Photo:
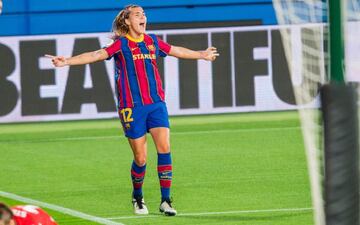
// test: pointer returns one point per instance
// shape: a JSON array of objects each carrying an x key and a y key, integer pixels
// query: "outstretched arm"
[
  {"x": 85, "y": 58},
  {"x": 209, "y": 54}
]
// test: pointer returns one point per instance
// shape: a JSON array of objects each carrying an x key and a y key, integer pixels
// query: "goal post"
[
  {"x": 339, "y": 112},
  {"x": 336, "y": 43},
  {"x": 341, "y": 138}
]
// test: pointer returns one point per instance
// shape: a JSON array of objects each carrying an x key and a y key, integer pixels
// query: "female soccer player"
[{"x": 140, "y": 95}]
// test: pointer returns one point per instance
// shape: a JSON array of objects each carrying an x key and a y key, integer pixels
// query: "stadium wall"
[{"x": 251, "y": 75}]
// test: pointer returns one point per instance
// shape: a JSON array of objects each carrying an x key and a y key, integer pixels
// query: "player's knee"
[
  {"x": 163, "y": 148},
  {"x": 140, "y": 160}
]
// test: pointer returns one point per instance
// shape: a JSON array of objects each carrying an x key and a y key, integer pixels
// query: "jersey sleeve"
[
  {"x": 113, "y": 48},
  {"x": 29, "y": 214},
  {"x": 164, "y": 48}
]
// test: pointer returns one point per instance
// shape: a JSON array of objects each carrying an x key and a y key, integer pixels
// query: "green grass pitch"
[{"x": 247, "y": 168}]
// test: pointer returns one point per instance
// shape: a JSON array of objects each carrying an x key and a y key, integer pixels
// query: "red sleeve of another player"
[
  {"x": 29, "y": 215},
  {"x": 163, "y": 46},
  {"x": 113, "y": 48}
]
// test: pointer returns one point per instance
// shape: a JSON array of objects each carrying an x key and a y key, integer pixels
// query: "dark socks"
[
  {"x": 165, "y": 174},
  {"x": 137, "y": 177}
]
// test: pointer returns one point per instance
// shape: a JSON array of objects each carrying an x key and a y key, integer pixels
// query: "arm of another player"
[
  {"x": 209, "y": 54},
  {"x": 85, "y": 58}
]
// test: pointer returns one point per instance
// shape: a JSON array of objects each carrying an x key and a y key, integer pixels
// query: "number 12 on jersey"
[{"x": 126, "y": 114}]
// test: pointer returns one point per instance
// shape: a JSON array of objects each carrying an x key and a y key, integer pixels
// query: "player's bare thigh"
[
  {"x": 139, "y": 148},
  {"x": 161, "y": 137}
]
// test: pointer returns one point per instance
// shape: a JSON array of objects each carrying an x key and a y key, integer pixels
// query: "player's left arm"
[{"x": 209, "y": 54}]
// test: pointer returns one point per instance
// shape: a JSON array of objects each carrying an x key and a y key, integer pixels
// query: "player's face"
[{"x": 137, "y": 20}]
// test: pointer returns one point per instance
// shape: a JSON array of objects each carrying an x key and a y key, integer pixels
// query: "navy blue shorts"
[{"x": 140, "y": 119}]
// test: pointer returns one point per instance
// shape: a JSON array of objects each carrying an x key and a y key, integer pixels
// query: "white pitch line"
[
  {"x": 59, "y": 209},
  {"x": 172, "y": 133},
  {"x": 218, "y": 213}
]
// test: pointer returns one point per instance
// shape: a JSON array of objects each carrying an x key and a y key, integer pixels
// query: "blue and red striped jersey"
[{"x": 137, "y": 77}]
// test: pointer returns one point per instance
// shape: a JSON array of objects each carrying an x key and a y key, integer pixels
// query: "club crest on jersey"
[
  {"x": 151, "y": 47},
  {"x": 127, "y": 126}
]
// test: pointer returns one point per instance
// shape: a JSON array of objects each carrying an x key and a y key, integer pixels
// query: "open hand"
[
  {"x": 210, "y": 54},
  {"x": 58, "y": 61}
]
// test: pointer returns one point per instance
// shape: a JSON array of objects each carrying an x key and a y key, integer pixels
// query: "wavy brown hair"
[{"x": 119, "y": 27}]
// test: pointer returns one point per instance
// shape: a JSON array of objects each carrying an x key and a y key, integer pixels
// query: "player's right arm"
[{"x": 85, "y": 58}]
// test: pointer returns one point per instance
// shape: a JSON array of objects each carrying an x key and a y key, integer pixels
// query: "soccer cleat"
[
  {"x": 167, "y": 209},
  {"x": 139, "y": 206}
]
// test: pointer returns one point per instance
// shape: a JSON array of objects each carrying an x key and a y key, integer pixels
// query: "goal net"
[{"x": 305, "y": 38}]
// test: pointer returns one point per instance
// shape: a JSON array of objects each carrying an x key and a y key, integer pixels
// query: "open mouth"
[{"x": 142, "y": 25}]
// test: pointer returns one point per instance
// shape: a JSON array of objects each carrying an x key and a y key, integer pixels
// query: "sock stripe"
[
  {"x": 137, "y": 175},
  {"x": 163, "y": 168},
  {"x": 165, "y": 183},
  {"x": 137, "y": 185}
]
